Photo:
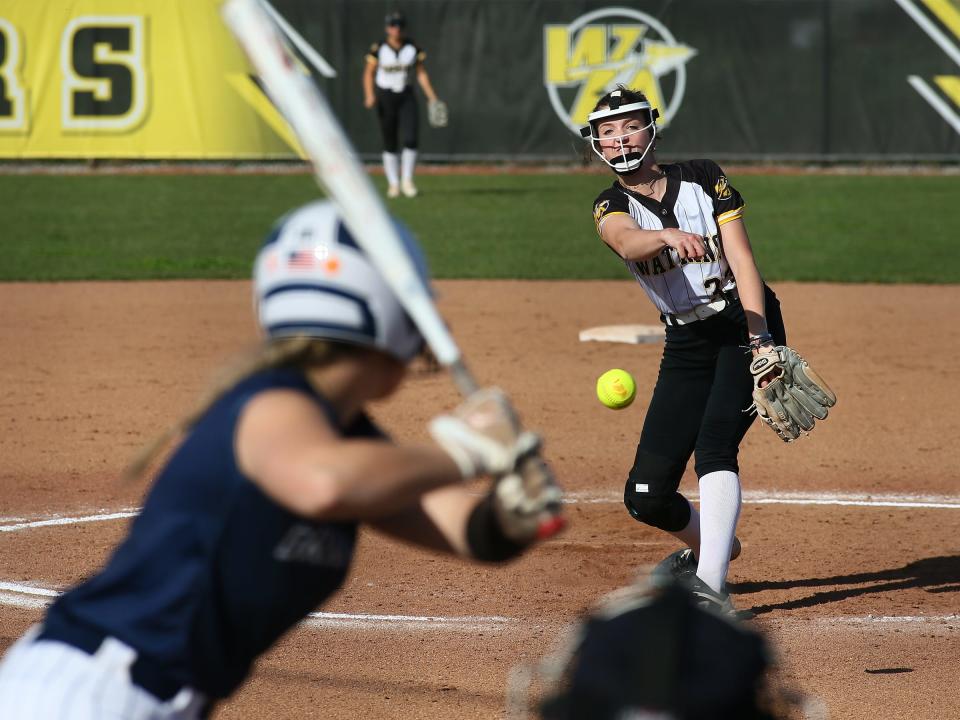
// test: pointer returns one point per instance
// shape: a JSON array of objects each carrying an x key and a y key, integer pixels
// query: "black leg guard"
[
  {"x": 651, "y": 493},
  {"x": 667, "y": 512}
]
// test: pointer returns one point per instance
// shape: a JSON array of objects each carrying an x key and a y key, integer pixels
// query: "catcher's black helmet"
[{"x": 655, "y": 654}]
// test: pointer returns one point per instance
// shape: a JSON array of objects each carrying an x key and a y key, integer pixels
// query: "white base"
[{"x": 633, "y": 334}]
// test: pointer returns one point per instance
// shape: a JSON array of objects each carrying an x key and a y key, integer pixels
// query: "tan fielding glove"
[
  {"x": 437, "y": 114},
  {"x": 795, "y": 399}
]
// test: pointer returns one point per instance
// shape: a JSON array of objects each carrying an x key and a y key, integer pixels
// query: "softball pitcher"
[
  {"x": 253, "y": 521},
  {"x": 679, "y": 228}
]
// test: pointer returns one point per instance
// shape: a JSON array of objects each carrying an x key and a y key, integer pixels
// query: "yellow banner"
[{"x": 152, "y": 79}]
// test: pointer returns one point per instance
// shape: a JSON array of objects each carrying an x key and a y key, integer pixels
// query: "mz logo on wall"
[{"x": 582, "y": 61}]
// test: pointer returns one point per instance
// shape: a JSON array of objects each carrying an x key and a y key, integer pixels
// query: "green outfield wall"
[{"x": 827, "y": 80}]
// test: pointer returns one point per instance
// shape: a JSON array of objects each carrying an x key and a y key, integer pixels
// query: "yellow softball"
[{"x": 616, "y": 389}]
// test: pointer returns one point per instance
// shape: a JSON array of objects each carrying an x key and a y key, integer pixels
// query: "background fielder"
[{"x": 388, "y": 86}]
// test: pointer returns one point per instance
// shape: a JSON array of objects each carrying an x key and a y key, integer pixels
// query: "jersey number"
[{"x": 713, "y": 286}]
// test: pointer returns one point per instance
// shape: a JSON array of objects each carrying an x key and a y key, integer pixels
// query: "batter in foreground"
[{"x": 253, "y": 521}]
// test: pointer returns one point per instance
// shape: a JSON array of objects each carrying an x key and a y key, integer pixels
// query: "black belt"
[{"x": 144, "y": 672}]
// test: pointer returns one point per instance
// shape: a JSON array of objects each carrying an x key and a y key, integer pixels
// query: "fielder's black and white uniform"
[
  {"x": 704, "y": 384},
  {"x": 396, "y": 101}
]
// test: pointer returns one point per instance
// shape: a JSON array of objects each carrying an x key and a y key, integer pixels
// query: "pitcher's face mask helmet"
[
  {"x": 626, "y": 160},
  {"x": 311, "y": 278}
]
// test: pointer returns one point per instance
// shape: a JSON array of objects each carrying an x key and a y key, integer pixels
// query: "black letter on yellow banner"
[
  {"x": 105, "y": 79},
  {"x": 86, "y": 103}
]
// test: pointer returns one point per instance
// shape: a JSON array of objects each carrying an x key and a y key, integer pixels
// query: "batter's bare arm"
[
  {"x": 438, "y": 522},
  {"x": 454, "y": 520},
  {"x": 631, "y": 242},
  {"x": 739, "y": 254},
  {"x": 287, "y": 448}
]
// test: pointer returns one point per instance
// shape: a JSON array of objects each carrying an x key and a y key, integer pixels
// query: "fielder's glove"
[
  {"x": 437, "y": 113},
  {"x": 795, "y": 399}
]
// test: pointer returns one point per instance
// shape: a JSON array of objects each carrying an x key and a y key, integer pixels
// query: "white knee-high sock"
[
  {"x": 391, "y": 167},
  {"x": 719, "y": 512},
  {"x": 409, "y": 160}
]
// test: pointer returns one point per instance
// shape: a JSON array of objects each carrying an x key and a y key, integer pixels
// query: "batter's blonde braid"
[{"x": 297, "y": 351}]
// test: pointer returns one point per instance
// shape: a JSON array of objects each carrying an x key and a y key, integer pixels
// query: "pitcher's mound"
[{"x": 634, "y": 334}]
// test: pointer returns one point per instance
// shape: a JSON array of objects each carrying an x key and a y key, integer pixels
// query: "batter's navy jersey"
[
  {"x": 213, "y": 571},
  {"x": 394, "y": 67},
  {"x": 698, "y": 199}
]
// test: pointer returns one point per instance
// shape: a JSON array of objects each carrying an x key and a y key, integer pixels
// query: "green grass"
[
  {"x": 117, "y": 227},
  {"x": 834, "y": 228}
]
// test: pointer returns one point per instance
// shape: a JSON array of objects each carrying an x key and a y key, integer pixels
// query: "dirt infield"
[{"x": 851, "y": 553}]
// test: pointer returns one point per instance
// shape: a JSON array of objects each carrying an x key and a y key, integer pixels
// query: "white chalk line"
[
  {"x": 28, "y": 589},
  {"x": 589, "y": 497},
  {"x": 25, "y": 596},
  {"x": 33, "y": 597},
  {"x": 70, "y": 520},
  {"x": 888, "y": 619},
  {"x": 361, "y": 621},
  {"x": 767, "y": 497}
]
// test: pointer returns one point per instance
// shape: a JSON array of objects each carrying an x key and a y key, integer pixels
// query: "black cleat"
[
  {"x": 681, "y": 565},
  {"x": 707, "y": 598}
]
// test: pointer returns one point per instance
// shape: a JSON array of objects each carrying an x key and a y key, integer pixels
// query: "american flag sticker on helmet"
[{"x": 307, "y": 257}]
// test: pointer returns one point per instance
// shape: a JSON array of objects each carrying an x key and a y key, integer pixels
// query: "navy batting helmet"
[{"x": 311, "y": 278}]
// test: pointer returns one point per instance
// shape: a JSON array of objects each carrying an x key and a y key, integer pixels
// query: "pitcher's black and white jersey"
[
  {"x": 395, "y": 67},
  {"x": 698, "y": 199}
]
